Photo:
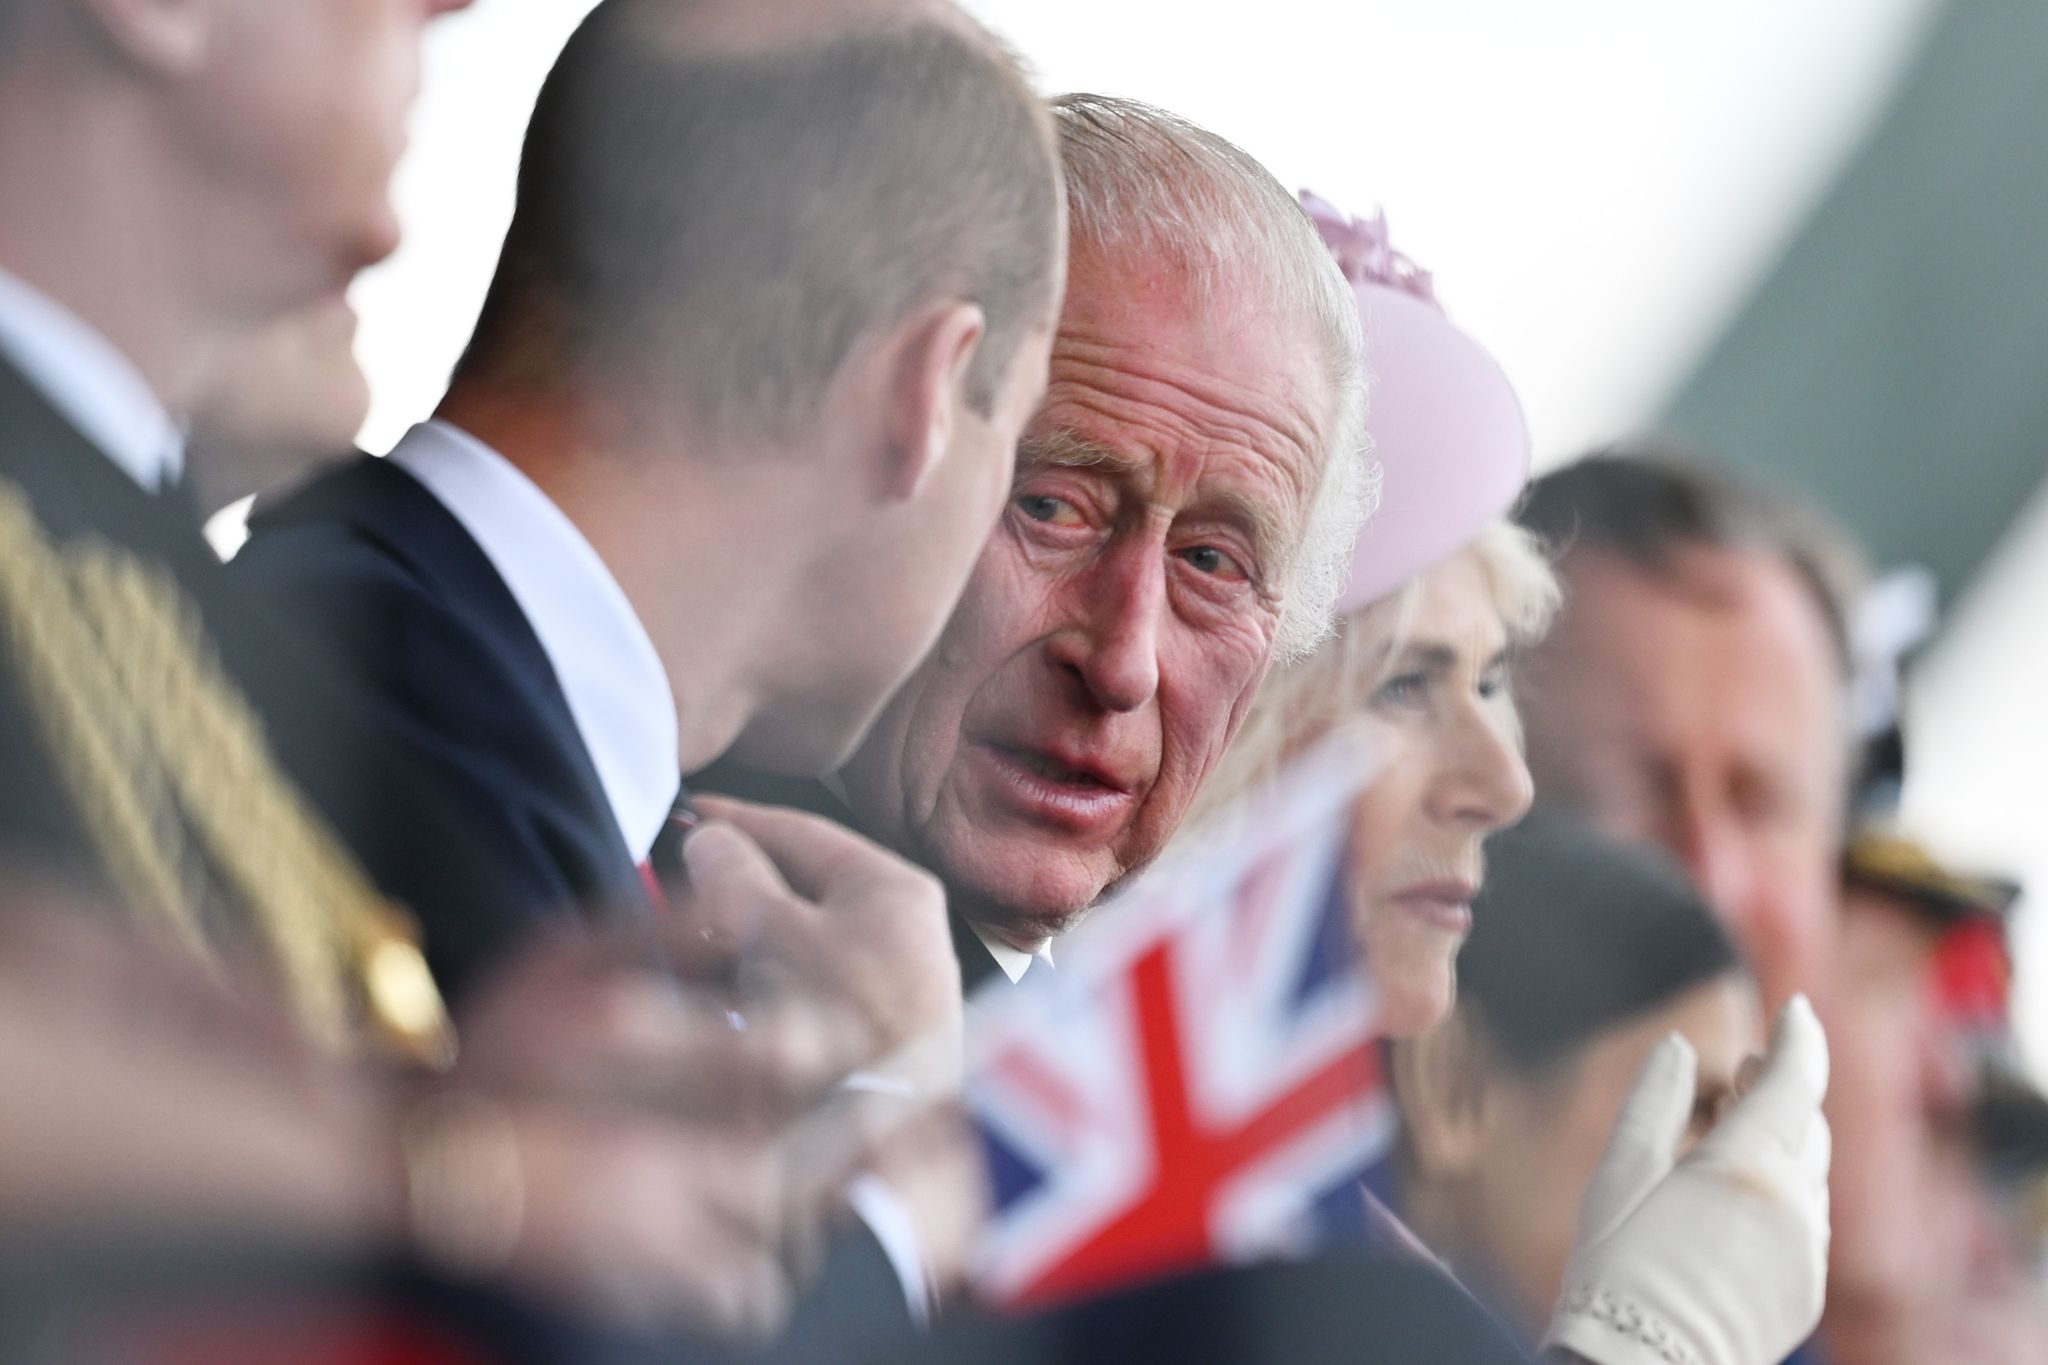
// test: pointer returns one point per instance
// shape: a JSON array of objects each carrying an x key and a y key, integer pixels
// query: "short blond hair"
[
  {"x": 1303, "y": 700},
  {"x": 710, "y": 230}
]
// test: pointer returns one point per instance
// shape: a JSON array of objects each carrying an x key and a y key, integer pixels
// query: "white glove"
[{"x": 1722, "y": 1259}]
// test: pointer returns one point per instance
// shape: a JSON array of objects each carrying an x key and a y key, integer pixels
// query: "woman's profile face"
[{"x": 1451, "y": 774}]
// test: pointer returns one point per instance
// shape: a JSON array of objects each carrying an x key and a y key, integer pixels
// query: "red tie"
[{"x": 664, "y": 868}]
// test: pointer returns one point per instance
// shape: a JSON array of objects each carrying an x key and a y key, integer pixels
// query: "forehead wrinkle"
[
  {"x": 1160, "y": 432},
  {"x": 1220, "y": 407}
]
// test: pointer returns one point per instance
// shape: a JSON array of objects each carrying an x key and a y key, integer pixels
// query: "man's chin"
[
  {"x": 1023, "y": 928},
  {"x": 1025, "y": 903}
]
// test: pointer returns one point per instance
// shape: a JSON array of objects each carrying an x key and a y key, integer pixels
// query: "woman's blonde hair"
[{"x": 1303, "y": 700}]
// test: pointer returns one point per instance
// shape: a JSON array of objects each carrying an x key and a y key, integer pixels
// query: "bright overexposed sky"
[{"x": 1595, "y": 183}]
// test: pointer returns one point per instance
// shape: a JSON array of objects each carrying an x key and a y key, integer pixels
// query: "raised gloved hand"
[{"x": 1720, "y": 1258}]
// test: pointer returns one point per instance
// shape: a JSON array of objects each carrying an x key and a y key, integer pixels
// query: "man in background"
[{"x": 1694, "y": 695}]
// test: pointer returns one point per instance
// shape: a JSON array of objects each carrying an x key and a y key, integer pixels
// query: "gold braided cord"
[
  {"x": 91, "y": 735},
  {"x": 335, "y": 942}
]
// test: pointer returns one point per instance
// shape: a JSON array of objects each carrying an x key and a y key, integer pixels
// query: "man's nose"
[
  {"x": 1111, "y": 644},
  {"x": 1711, "y": 846}
]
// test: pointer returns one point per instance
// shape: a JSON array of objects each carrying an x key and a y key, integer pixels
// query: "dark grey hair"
[{"x": 1645, "y": 506}]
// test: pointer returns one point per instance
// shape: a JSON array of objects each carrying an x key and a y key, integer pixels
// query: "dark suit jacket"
[
  {"x": 395, "y": 814},
  {"x": 369, "y": 565}
]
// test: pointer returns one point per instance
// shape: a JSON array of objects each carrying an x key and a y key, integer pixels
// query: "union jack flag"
[{"x": 1199, "y": 1080}]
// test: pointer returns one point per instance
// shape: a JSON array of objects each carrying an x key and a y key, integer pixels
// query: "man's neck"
[
  {"x": 92, "y": 225},
  {"x": 646, "y": 513}
]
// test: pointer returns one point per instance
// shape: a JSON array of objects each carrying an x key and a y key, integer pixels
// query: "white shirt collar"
[
  {"x": 1014, "y": 961},
  {"x": 617, "y": 689},
  {"x": 89, "y": 381}
]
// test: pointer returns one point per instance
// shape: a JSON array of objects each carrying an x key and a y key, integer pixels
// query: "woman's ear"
[
  {"x": 1440, "y": 1082},
  {"x": 167, "y": 38},
  {"x": 935, "y": 348}
]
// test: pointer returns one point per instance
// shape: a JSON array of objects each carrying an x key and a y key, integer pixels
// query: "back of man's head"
[
  {"x": 714, "y": 208},
  {"x": 1145, "y": 183},
  {"x": 1647, "y": 507}
]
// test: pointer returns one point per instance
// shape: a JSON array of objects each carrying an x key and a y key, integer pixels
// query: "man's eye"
[
  {"x": 1046, "y": 508},
  {"x": 1208, "y": 559},
  {"x": 1494, "y": 682}
]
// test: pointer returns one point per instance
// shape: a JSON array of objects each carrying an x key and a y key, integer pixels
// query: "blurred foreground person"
[
  {"x": 1584, "y": 956},
  {"x": 1720, "y": 1256},
  {"x": 281, "y": 402},
  {"x": 183, "y": 176}
]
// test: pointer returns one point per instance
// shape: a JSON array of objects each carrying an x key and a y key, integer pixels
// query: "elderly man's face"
[{"x": 1122, "y": 614}]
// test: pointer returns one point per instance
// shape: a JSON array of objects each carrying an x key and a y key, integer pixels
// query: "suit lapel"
[{"x": 386, "y": 506}]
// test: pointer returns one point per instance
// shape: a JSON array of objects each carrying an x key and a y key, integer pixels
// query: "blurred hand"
[
  {"x": 934, "y": 1166},
  {"x": 141, "y": 1087},
  {"x": 658, "y": 1106},
  {"x": 873, "y": 924},
  {"x": 635, "y": 1017},
  {"x": 636, "y": 1219},
  {"x": 1722, "y": 1258}
]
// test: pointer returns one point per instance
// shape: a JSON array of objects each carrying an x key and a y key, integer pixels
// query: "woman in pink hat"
[
  {"x": 1717, "y": 1257},
  {"x": 1442, "y": 592}
]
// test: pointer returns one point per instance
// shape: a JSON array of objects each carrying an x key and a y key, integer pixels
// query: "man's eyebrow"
[{"x": 1066, "y": 450}]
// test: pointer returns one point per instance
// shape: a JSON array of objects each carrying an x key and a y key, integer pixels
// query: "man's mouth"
[
  {"x": 1053, "y": 769},
  {"x": 1062, "y": 791}
]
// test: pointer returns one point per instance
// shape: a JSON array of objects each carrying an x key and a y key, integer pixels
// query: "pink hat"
[{"x": 1446, "y": 427}]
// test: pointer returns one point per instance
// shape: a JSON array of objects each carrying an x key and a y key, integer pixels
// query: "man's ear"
[
  {"x": 166, "y": 38},
  {"x": 1440, "y": 1081},
  {"x": 934, "y": 351}
]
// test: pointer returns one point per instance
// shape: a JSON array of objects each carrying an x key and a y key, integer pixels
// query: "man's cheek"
[{"x": 1006, "y": 600}]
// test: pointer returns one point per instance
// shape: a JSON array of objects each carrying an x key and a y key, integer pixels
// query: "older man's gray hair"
[{"x": 1138, "y": 176}]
